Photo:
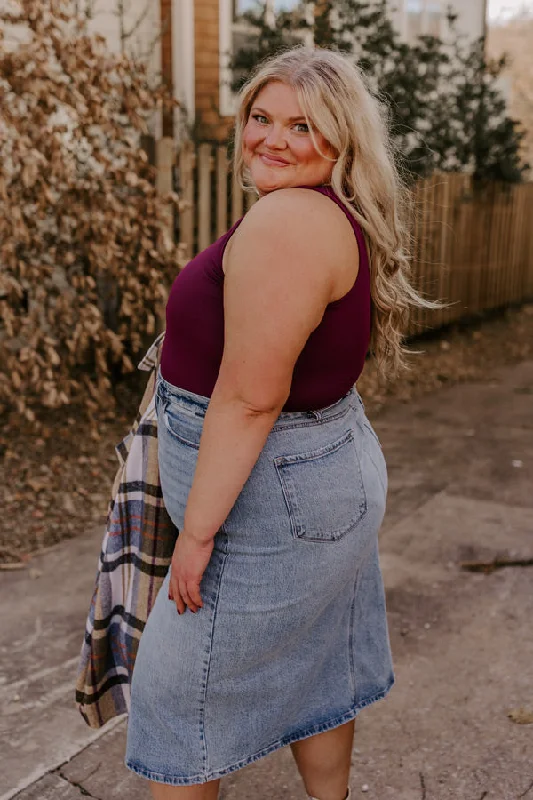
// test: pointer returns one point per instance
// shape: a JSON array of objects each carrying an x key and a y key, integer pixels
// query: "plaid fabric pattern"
[{"x": 136, "y": 553}]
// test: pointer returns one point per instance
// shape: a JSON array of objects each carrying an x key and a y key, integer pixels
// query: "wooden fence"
[
  {"x": 214, "y": 199},
  {"x": 472, "y": 249}
]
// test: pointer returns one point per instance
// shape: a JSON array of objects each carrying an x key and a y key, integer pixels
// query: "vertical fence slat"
[
  {"x": 204, "y": 196},
  {"x": 237, "y": 207},
  {"x": 518, "y": 224},
  {"x": 528, "y": 243},
  {"x": 249, "y": 199},
  {"x": 186, "y": 163},
  {"x": 526, "y": 248},
  {"x": 222, "y": 190},
  {"x": 513, "y": 226}
]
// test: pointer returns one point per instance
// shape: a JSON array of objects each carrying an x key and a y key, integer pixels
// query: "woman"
[{"x": 270, "y": 628}]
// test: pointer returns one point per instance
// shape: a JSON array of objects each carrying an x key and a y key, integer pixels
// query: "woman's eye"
[{"x": 301, "y": 127}]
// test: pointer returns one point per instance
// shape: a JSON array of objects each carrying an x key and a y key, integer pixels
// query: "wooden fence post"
[
  {"x": 222, "y": 190},
  {"x": 164, "y": 160},
  {"x": 237, "y": 208},
  {"x": 186, "y": 164},
  {"x": 204, "y": 196}
]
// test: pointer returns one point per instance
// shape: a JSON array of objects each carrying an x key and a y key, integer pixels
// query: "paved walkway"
[{"x": 461, "y": 488}]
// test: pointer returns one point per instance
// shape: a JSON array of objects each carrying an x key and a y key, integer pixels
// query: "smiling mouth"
[{"x": 277, "y": 162}]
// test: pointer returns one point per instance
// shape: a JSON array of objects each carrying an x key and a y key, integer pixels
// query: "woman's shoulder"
[
  {"x": 299, "y": 226},
  {"x": 293, "y": 211},
  {"x": 290, "y": 222},
  {"x": 284, "y": 220},
  {"x": 293, "y": 197}
]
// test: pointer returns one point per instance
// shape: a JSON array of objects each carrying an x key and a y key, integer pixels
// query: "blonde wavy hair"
[{"x": 337, "y": 101}]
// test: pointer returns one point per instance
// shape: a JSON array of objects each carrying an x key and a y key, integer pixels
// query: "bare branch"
[
  {"x": 157, "y": 38},
  {"x": 139, "y": 22}
]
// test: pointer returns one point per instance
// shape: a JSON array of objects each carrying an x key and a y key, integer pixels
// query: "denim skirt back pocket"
[{"x": 323, "y": 490}]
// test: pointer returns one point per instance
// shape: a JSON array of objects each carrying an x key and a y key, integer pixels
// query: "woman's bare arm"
[{"x": 280, "y": 275}]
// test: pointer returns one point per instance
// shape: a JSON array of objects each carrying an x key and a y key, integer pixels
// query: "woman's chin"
[{"x": 266, "y": 185}]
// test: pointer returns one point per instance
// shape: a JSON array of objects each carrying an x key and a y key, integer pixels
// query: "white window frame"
[
  {"x": 227, "y": 99},
  {"x": 183, "y": 55},
  {"x": 424, "y": 11}
]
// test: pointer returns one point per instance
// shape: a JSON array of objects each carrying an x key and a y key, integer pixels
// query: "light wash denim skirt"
[{"x": 292, "y": 638}]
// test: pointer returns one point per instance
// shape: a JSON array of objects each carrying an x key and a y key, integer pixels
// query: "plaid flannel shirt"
[{"x": 136, "y": 553}]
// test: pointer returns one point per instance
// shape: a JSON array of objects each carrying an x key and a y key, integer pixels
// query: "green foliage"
[
  {"x": 446, "y": 110},
  {"x": 268, "y": 39}
]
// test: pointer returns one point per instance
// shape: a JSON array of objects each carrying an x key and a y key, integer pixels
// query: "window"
[
  {"x": 422, "y": 17},
  {"x": 414, "y": 11},
  {"x": 239, "y": 6},
  {"x": 271, "y": 6},
  {"x": 433, "y": 18}
]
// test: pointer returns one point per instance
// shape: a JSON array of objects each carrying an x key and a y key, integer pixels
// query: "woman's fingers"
[
  {"x": 175, "y": 595},
  {"x": 186, "y": 592},
  {"x": 189, "y": 562},
  {"x": 194, "y": 594},
  {"x": 180, "y": 605}
]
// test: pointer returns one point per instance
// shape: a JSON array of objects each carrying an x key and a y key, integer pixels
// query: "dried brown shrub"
[{"x": 85, "y": 253}]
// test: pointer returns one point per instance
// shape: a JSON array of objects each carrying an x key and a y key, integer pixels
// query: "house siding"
[{"x": 144, "y": 43}]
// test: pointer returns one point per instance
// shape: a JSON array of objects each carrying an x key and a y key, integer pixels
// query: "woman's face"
[{"x": 277, "y": 145}]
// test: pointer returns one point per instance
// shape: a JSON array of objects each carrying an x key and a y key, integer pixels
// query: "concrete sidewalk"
[{"x": 461, "y": 488}]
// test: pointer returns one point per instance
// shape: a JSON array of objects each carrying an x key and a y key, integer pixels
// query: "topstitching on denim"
[
  {"x": 302, "y": 472},
  {"x": 351, "y": 638},
  {"x": 174, "y": 433},
  {"x": 207, "y": 661},
  {"x": 321, "y": 727},
  {"x": 181, "y": 398}
]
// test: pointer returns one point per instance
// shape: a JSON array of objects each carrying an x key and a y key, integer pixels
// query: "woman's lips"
[{"x": 271, "y": 161}]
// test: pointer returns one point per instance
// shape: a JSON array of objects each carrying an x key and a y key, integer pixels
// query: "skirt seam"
[
  {"x": 182, "y": 780},
  {"x": 383, "y": 487},
  {"x": 204, "y": 700},
  {"x": 351, "y": 639}
]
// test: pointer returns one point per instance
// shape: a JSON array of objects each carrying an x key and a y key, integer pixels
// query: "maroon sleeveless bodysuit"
[{"x": 330, "y": 362}]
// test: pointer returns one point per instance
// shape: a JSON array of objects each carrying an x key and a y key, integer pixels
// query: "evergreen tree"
[
  {"x": 446, "y": 110},
  {"x": 267, "y": 39}
]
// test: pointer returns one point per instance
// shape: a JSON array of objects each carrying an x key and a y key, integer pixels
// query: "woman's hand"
[{"x": 189, "y": 560}]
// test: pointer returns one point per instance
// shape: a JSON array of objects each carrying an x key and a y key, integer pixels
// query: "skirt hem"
[{"x": 212, "y": 775}]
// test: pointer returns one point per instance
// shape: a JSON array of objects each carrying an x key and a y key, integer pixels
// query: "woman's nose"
[{"x": 275, "y": 137}]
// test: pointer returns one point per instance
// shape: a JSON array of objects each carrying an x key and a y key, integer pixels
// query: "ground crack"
[
  {"x": 529, "y": 788},
  {"x": 422, "y": 785},
  {"x": 77, "y": 785}
]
